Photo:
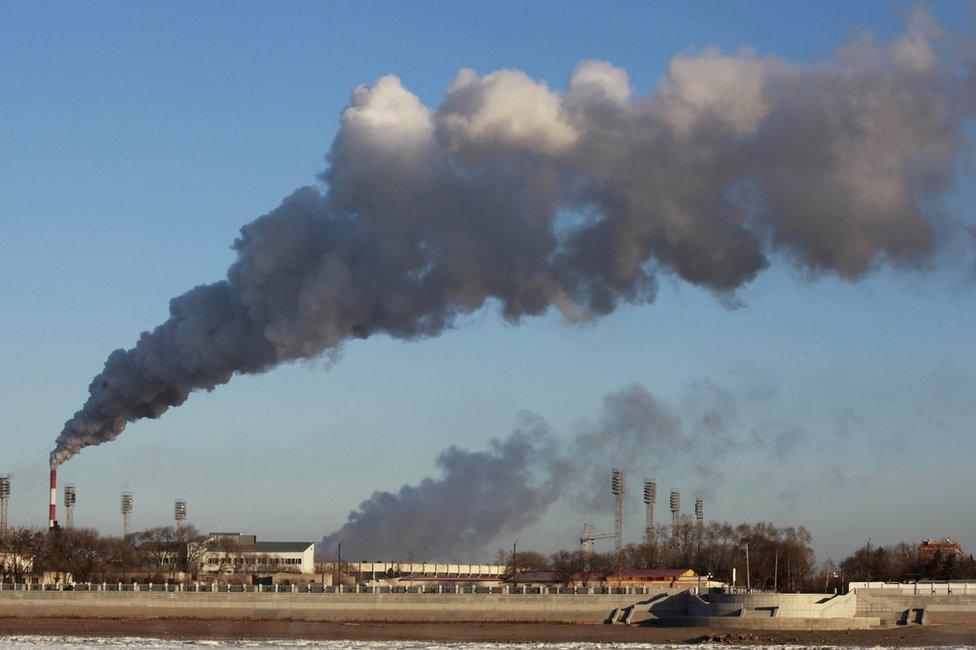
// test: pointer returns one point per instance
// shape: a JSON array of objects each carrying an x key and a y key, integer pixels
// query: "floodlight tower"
[
  {"x": 675, "y": 502},
  {"x": 126, "y": 513},
  {"x": 4, "y": 498},
  {"x": 650, "y": 499},
  {"x": 618, "y": 485},
  {"x": 70, "y": 498},
  {"x": 699, "y": 526},
  {"x": 179, "y": 514}
]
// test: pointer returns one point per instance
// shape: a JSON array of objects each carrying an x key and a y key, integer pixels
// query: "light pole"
[
  {"x": 515, "y": 562},
  {"x": 338, "y": 570}
]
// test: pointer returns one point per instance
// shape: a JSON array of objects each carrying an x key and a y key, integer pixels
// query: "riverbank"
[{"x": 197, "y": 629}]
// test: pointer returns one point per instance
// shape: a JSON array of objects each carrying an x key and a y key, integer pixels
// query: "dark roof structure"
[
  {"x": 278, "y": 547},
  {"x": 250, "y": 544}
]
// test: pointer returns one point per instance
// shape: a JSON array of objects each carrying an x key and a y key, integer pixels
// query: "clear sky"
[{"x": 136, "y": 138}]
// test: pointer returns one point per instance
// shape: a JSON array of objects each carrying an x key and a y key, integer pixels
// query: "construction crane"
[{"x": 589, "y": 536}]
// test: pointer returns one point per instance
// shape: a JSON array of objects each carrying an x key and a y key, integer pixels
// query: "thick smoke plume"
[
  {"x": 487, "y": 493},
  {"x": 481, "y": 493},
  {"x": 515, "y": 194}
]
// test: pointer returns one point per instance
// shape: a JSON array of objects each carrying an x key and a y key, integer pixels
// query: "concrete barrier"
[
  {"x": 894, "y": 607},
  {"x": 773, "y": 623},
  {"x": 570, "y": 608},
  {"x": 667, "y": 607}
]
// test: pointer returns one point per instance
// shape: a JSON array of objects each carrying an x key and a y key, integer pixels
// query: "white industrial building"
[
  {"x": 239, "y": 553},
  {"x": 409, "y": 573}
]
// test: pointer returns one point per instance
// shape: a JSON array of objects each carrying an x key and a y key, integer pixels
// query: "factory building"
[
  {"x": 656, "y": 578},
  {"x": 239, "y": 553},
  {"x": 423, "y": 573}
]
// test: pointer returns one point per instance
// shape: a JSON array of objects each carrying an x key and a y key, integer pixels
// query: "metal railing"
[{"x": 219, "y": 587}]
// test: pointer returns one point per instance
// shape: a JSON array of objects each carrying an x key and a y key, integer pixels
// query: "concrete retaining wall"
[
  {"x": 803, "y": 606},
  {"x": 892, "y": 606},
  {"x": 671, "y": 607},
  {"x": 317, "y": 607},
  {"x": 758, "y": 623}
]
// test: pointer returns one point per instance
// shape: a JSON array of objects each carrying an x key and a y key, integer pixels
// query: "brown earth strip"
[{"x": 474, "y": 632}]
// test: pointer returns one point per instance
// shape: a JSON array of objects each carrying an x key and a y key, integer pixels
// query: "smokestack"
[{"x": 52, "y": 515}]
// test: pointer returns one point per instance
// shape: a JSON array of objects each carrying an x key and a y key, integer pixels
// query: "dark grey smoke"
[
  {"x": 513, "y": 194},
  {"x": 480, "y": 495}
]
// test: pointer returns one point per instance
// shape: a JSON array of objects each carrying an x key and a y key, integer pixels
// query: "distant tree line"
[
  {"x": 903, "y": 562},
  {"x": 86, "y": 556},
  {"x": 779, "y": 557}
]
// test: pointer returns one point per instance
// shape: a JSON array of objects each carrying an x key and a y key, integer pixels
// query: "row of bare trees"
[
  {"x": 778, "y": 557},
  {"x": 86, "y": 556},
  {"x": 903, "y": 562}
]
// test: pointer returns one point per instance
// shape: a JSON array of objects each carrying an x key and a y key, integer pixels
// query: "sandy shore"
[{"x": 473, "y": 632}]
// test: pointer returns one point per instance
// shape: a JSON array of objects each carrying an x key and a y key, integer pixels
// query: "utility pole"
[
  {"x": 869, "y": 559},
  {"x": 515, "y": 562},
  {"x": 776, "y": 570},
  {"x": 338, "y": 571},
  {"x": 748, "y": 571}
]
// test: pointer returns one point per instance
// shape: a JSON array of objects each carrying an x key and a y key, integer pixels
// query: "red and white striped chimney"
[{"x": 52, "y": 516}]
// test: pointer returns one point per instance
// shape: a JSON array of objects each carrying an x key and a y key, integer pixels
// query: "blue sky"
[{"x": 135, "y": 139}]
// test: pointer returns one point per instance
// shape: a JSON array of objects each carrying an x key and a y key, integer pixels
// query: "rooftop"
[{"x": 250, "y": 544}]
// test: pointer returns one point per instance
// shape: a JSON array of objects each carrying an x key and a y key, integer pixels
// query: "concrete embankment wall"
[
  {"x": 766, "y": 611},
  {"x": 938, "y": 609},
  {"x": 570, "y": 608}
]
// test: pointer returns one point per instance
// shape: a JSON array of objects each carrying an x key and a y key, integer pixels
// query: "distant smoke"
[
  {"x": 514, "y": 194},
  {"x": 480, "y": 495}
]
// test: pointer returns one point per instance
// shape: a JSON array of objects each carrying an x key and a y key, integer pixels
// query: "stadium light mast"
[
  {"x": 179, "y": 514},
  {"x": 650, "y": 499},
  {"x": 126, "y": 507},
  {"x": 618, "y": 486},
  {"x": 70, "y": 498},
  {"x": 675, "y": 503},
  {"x": 4, "y": 498}
]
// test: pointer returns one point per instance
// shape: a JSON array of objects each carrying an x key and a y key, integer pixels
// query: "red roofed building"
[
  {"x": 679, "y": 578},
  {"x": 929, "y": 547},
  {"x": 654, "y": 577}
]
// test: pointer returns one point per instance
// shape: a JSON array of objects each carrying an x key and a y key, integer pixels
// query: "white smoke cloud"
[{"x": 433, "y": 212}]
